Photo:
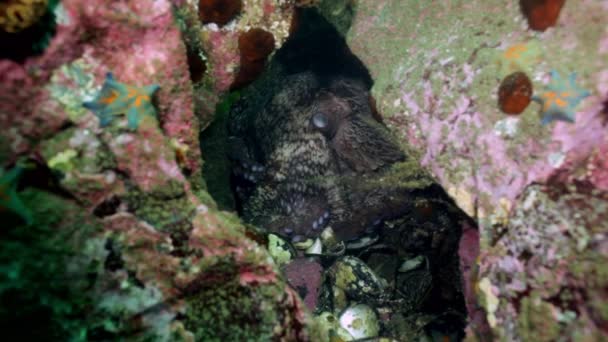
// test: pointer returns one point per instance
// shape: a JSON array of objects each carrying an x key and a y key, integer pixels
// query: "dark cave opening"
[{"x": 312, "y": 164}]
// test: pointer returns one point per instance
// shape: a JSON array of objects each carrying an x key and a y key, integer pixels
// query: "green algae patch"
[
  {"x": 222, "y": 309},
  {"x": 47, "y": 269},
  {"x": 407, "y": 175},
  {"x": 169, "y": 212},
  {"x": 536, "y": 321},
  {"x": 76, "y": 149}
]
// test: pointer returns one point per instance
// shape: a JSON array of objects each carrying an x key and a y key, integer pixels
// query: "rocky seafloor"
[{"x": 119, "y": 222}]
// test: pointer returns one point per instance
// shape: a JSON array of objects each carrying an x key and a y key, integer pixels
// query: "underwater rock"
[
  {"x": 233, "y": 54},
  {"x": 133, "y": 200},
  {"x": 433, "y": 81},
  {"x": 9, "y": 198}
]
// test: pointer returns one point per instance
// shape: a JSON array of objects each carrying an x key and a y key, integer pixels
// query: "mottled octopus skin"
[
  {"x": 294, "y": 179},
  {"x": 300, "y": 179}
]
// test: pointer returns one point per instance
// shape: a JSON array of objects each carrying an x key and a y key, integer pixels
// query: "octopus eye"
[
  {"x": 320, "y": 121},
  {"x": 325, "y": 123}
]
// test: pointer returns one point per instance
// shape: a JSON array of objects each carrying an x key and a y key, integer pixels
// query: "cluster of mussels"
[{"x": 365, "y": 237}]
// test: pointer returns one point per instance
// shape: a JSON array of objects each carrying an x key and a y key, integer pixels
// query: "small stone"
[{"x": 360, "y": 321}]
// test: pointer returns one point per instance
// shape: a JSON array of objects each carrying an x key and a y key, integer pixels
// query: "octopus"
[
  {"x": 306, "y": 155},
  {"x": 310, "y": 156},
  {"x": 314, "y": 165}
]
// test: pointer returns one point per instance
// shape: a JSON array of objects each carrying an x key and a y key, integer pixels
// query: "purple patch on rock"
[{"x": 305, "y": 276}]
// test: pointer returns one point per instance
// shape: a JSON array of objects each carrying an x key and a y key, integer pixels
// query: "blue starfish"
[
  {"x": 117, "y": 98},
  {"x": 561, "y": 98},
  {"x": 9, "y": 199}
]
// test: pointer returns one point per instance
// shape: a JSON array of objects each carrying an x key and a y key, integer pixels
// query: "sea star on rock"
[
  {"x": 117, "y": 98},
  {"x": 519, "y": 57},
  {"x": 560, "y": 99}
]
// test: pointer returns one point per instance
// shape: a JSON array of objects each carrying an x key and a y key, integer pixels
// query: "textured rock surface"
[
  {"x": 437, "y": 67},
  {"x": 151, "y": 242},
  {"x": 217, "y": 46}
]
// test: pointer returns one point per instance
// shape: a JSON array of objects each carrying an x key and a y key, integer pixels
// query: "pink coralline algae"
[
  {"x": 560, "y": 100},
  {"x": 142, "y": 188}
]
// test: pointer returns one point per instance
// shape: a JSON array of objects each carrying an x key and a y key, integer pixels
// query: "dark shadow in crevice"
[{"x": 316, "y": 46}]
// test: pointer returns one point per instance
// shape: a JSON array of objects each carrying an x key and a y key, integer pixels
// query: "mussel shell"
[
  {"x": 362, "y": 242},
  {"x": 412, "y": 263},
  {"x": 330, "y": 256},
  {"x": 356, "y": 278}
]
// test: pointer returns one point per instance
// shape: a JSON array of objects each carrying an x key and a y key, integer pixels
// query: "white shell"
[
  {"x": 412, "y": 263},
  {"x": 362, "y": 242},
  {"x": 360, "y": 321},
  {"x": 316, "y": 248}
]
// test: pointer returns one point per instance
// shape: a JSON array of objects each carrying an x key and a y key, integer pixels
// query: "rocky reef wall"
[
  {"x": 535, "y": 181},
  {"x": 112, "y": 233}
]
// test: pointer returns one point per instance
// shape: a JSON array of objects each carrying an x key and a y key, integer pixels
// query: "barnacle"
[{"x": 17, "y": 15}]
